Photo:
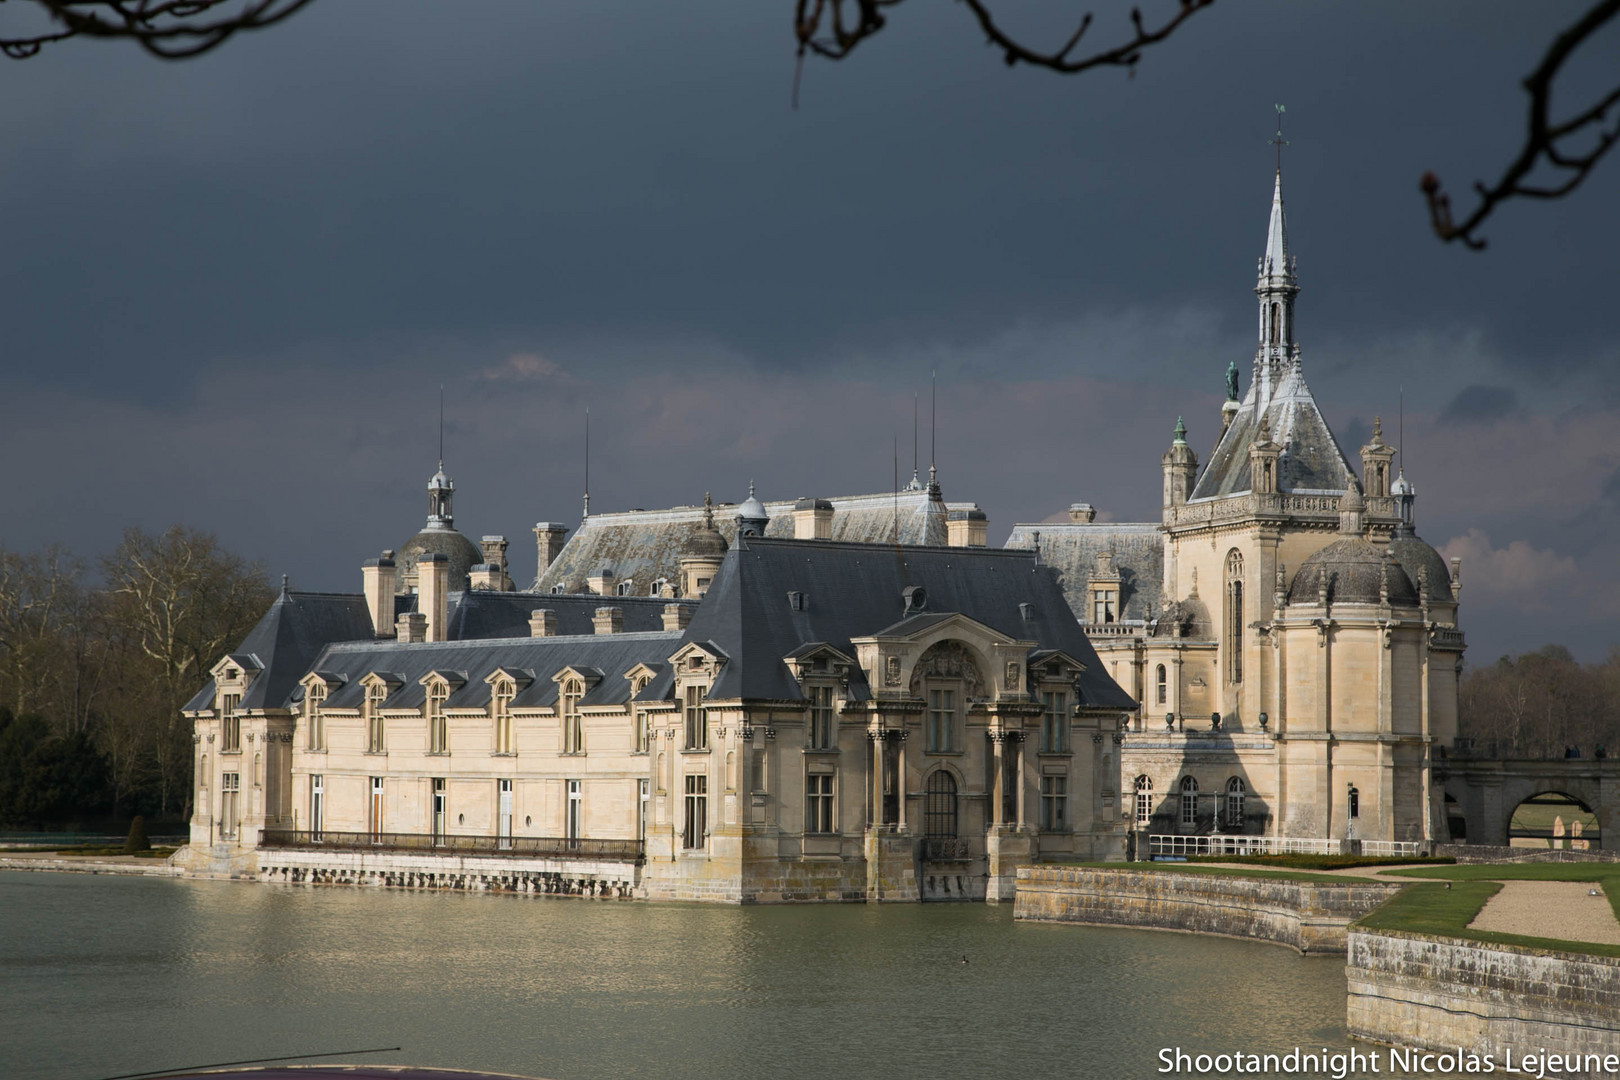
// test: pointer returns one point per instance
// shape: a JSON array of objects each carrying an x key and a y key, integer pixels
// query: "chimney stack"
[
  {"x": 966, "y": 528},
  {"x": 609, "y": 620},
  {"x": 548, "y": 539},
  {"x": 676, "y": 616},
  {"x": 812, "y": 519},
  {"x": 377, "y": 582},
  {"x": 601, "y": 583},
  {"x": 411, "y": 627},
  {"x": 433, "y": 594},
  {"x": 543, "y": 623}
]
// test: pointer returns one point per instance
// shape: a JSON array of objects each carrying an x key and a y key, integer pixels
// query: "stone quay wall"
[
  {"x": 570, "y": 877},
  {"x": 1311, "y": 916},
  {"x": 1444, "y": 993}
]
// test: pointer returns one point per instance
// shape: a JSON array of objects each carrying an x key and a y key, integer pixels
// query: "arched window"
[
  {"x": 438, "y": 730},
  {"x": 939, "y": 806},
  {"x": 376, "y": 741},
  {"x": 1355, "y": 803},
  {"x": 573, "y": 724},
  {"x": 1161, "y": 679},
  {"x": 1236, "y": 789},
  {"x": 315, "y": 723},
  {"x": 626, "y": 587},
  {"x": 1189, "y": 800},
  {"x": 1276, "y": 323},
  {"x": 1234, "y": 617},
  {"x": 500, "y": 706},
  {"x": 1144, "y": 800}
]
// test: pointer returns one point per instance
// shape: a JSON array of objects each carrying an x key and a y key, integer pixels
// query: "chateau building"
[
  {"x": 1291, "y": 642},
  {"x": 754, "y": 719}
]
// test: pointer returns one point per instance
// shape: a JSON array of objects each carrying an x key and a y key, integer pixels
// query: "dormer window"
[
  {"x": 820, "y": 731},
  {"x": 1054, "y": 722},
  {"x": 230, "y": 738},
  {"x": 315, "y": 723},
  {"x": 500, "y": 706},
  {"x": 696, "y": 730},
  {"x": 1103, "y": 606},
  {"x": 573, "y": 723},
  {"x": 376, "y": 741},
  {"x": 438, "y": 728},
  {"x": 625, "y": 587}
]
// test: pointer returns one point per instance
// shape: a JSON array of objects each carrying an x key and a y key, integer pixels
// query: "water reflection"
[{"x": 112, "y": 975}]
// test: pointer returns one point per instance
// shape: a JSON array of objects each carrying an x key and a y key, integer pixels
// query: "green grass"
[
  {"x": 1317, "y": 862},
  {"x": 1434, "y": 909},
  {"x": 1224, "y": 871},
  {"x": 153, "y": 853}
]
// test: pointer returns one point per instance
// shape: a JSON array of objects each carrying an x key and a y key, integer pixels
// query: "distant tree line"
[
  {"x": 93, "y": 673},
  {"x": 1542, "y": 704}
]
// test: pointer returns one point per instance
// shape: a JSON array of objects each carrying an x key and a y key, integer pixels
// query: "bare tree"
[{"x": 168, "y": 29}]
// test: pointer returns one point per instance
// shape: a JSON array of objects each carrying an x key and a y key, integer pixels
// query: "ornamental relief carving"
[{"x": 948, "y": 660}]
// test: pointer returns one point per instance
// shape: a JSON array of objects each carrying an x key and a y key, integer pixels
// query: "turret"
[
  {"x": 1276, "y": 287},
  {"x": 1180, "y": 468},
  {"x": 1376, "y": 457}
]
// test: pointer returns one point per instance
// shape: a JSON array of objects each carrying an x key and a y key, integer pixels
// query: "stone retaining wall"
[
  {"x": 571, "y": 877},
  {"x": 1310, "y": 916},
  {"x": 1444, "y": 993}
]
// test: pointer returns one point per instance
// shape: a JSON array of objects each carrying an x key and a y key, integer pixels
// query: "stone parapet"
[
  {"x": 1444, "y": 993},
  {"x": 580, "y": 877},
  {"x": 1311, "y": 916}
]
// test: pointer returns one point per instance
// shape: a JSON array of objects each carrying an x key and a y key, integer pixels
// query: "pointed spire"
[
  {"x": 1276, "y": 264},
  {"x": 708, "y": 511}
]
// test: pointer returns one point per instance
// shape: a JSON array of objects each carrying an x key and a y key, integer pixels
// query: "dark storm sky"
[{"x": 233, "y": 286}]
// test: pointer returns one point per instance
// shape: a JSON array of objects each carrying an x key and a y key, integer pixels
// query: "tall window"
[
  {"x": 375, "y": 741},
  {"x": 643, "y": 733},
  {"x": 939, "y": 805},
  {"x": 572, "y": 723},
  {"x": 503, "y": 813},
  {"x": 1236, "y": 789},
  {"x": 821, "y": 718},
  {"x": 818, "y": 800},
  {"x": 230, "y": 722},
  {"x": 317, "y": 806},
  {"x": 501, "y": 704},
  {"x": 1234, "y": 609},
  {"x": 230, "y": 787},
  {"x": 697, "y": 733},
  {"x": 1355, "y": 802},
  {"x": 697, "y": 812},
  {"x": 1189, "y": 800},
  {"x": 313, "y": 700},
  {"x": 1103, "y": 603},
  {"x": 941, "y": 720},
  {"x": 374, "y": 812},
  {"x": 438, "y": 728},
  {"x": 1054, "y": 722},
  {"x": 440, "y": 810},
  {"x": 1054, "y": 803},
  {"x": 1276, "y": 323},
  {"x": 1161, "y": 680},
  {"x": 1144, "y": 800},
  {"x": 575, "y": 824}
]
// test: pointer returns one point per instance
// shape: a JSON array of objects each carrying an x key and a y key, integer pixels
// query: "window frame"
[
  {"x": 1144, "y": 799},
  {"x": 942, "y": 716},
  {"x": 695, "y": 823},
  {"x": 1055, "y": 803},
  {"x": 820, "y": 804},
  {"x": 571, "y": 716},
  {"x": 821, "y": 726},
  {"x": 376, "y": 730},
  {"x": 694, "y": 723},
  {"x": 438, "y": 726},
  {"x": 1054, "y": 721}
]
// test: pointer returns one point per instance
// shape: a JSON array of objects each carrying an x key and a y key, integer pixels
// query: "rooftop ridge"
[{"x": 485, "y": 643}]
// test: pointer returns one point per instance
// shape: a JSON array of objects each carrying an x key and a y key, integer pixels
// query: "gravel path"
[{"x": 1550, "y": 909}]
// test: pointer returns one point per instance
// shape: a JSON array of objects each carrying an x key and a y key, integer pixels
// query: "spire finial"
[
  {"x": 1181, "y": 432},
  {"x": 750, "y": 488},
  {"x": 1277, "y": 140},
  {"x": 441, "y": 425},
  {"x": 284, "y": 587},
  {"x": 708, "y": 511},
  {"x": 587, "y": 461}
]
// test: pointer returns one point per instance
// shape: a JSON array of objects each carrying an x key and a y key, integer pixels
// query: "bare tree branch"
[
  {"x": 168, "y": 29},
  {"x": 1541, "y": 140},
  {"x": 833, "y": 29}
]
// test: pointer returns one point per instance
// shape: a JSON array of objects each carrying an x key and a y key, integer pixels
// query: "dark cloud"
[{"x": 1480, "y": 405}]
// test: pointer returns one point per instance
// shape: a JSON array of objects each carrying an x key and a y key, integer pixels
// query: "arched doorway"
[
  {"x": 1553, "y": 819},
  {"x": 939, "y": 806}
]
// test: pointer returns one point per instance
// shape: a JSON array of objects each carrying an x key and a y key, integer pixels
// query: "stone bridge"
[{"x": 1488, "y": 789}]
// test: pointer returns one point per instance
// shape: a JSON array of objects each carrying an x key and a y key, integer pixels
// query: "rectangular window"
[
  {"x": 641, "y": 819},
  {"x": 317, "y": 806},
  {"x": 697, "y": 733},
  {"x": 375, "y": 741},
  {"x": 1189, "y": 808},
  {"x": 941, "y": 721},
  {"x": 697, "y": 812},
  {"x": 230, "y": 723},
  {"x": 316, "y": 722},
  {"x": 441, "y": 806},
  {"x": 374, "y": 813},
  {"x": 821, "y": 718},
  {"x": 573, "y": 723},
  {"x": 1055, "y": 803},
  {"x": 438, "y": 728},
  {"x": 1144, "y": 806},
  {"x": 576, "y": 810},
  {"x": 818, "y": 803},
  {"x": 503, "y": 813},
  {"x": 502, "y": 704},
  {"x": 1054, "y": 722},
  {"x": 230, "y": 786},
  {"x": 643, "y": 735}
]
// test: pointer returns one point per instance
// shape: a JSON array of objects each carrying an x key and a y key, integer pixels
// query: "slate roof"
[
  {"x": 538, "y": 659},
  {"x": 645, "y": 545},
  {"x": 855, "y": 590},
  {"x": 288, "y": 638},
  {"x": 1311, "y": 458},
  {"x": 1414, "y": 555},
  {"x": 1354, "y": 570},
  {"x": 1072, "y": 549}
]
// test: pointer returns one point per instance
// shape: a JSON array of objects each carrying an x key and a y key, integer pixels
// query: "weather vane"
[{"x": 1277, "y": 140}]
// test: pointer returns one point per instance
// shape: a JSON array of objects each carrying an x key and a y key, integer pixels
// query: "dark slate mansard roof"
[
  {"x": 1311, "y": 458},
  {"x": 286, "y": 641},
  {"x": 1071, "y": 549},
  {"x": 855, "y": 590}
]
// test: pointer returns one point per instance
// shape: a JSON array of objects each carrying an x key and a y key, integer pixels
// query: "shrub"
[{"x": 137, "y": 841}]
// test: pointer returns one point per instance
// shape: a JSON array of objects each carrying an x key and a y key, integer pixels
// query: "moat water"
[{"x": 101, "y": 976}]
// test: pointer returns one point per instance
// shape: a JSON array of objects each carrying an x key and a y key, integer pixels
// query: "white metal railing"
[{"x": 1216, "y": 844}]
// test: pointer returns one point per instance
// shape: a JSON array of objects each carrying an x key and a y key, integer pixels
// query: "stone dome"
[
  {"x": 705, "y": 543},
  {"x": 1355, "y": 571},
  {"x": 1414, "y": 555},
  {"x": 438, "y": 540}
]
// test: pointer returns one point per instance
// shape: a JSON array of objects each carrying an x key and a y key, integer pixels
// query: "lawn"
[
  {"x": 1434, "y": 909},
  {"x": 1224, "y": 871}
]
